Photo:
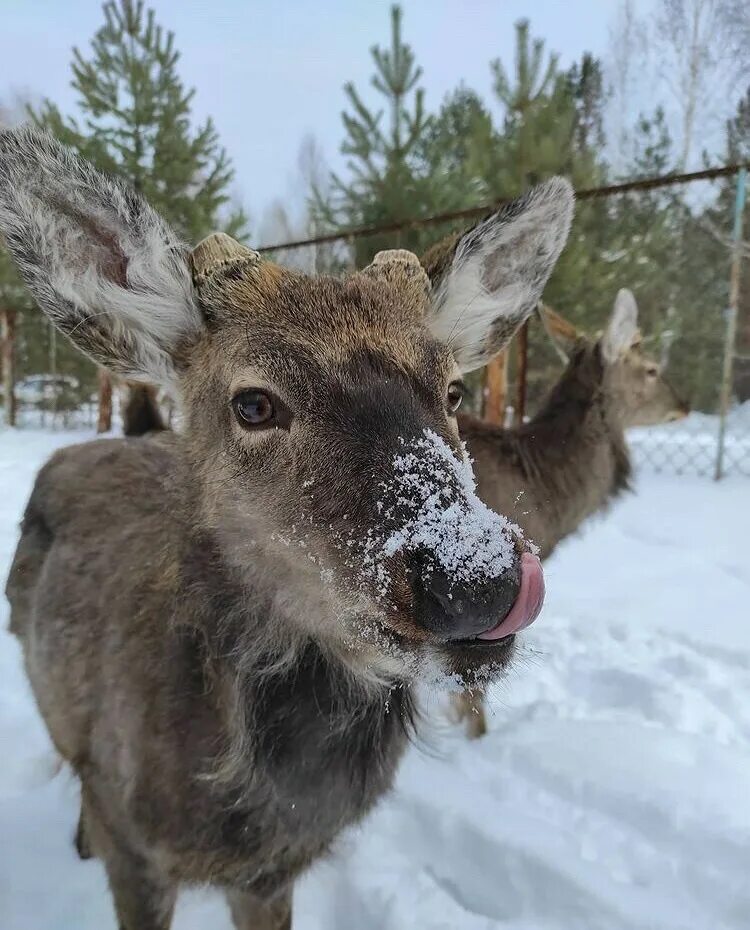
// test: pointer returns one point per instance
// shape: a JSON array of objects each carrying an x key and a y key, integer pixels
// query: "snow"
[
  {"x": 611, "y": 793},
  {"x": 689, "y": 446},
  {"x": 441, "y": 516}
]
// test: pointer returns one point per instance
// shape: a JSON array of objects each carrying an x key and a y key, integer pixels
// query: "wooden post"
[
  {"x": 496, "y": 389},
  {"x": 104, "y": 420},
  {"x": 523, "y": 361},
  {"x": 556, "y": 327},
  {"x": 52, "y": 367},
  {"x": 9, "y": 364},
  {"x": 730, "y": 337}
]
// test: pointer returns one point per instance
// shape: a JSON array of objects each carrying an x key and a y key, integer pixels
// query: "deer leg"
[
  {"x": 476, "y": 721},
  {"x": 252, "y": 913},
  {"x": 469, "y": 707},
  {"x": 83, "y": 847},
  {"x": 144, "y": 898}
]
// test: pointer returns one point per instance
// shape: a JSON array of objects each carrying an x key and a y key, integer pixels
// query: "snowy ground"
[
  {"x": 613, "y": 790},
  {"x": 689, "y": 446}
]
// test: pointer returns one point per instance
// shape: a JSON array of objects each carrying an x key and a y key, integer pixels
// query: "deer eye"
[
  {"x": 455, "y": 396},
  {"x": 652, "y": 371},
  {"x": 254, "y": 409}
]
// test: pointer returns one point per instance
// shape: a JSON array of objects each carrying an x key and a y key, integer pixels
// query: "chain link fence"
[
  {"x": 53, "y": 385},
  {"x": 668, "y": 240}
]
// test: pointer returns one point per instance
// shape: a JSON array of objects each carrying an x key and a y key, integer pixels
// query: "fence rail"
[
  {"x": 716, "y": 438},
  {"x": 470, "y": 213}
]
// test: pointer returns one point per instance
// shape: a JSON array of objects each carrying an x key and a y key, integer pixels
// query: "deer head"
[
  {"x": 643, "y": 395},
  {"x": 320, "y": 444}
]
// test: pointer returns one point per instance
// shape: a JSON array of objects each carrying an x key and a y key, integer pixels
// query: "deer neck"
[
  {"x": 262, "y": 665},
  {"x": 575, "y": 449}
]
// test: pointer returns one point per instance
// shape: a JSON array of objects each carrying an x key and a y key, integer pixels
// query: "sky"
[{"x": 270, "y": 73}]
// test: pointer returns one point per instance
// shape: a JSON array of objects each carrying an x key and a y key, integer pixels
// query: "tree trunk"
[
  {"x": 104, "y": 421},
  {"x": 496, "y": 389},
  {"x": 9, "y": 365}
]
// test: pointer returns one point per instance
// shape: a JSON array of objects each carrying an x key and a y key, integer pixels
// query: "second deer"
[{"x": 571, "y": 460}]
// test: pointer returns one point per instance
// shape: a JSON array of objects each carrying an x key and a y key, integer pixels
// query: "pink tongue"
[{"x": 528, "y": 603}]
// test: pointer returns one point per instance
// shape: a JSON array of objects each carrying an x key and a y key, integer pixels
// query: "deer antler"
[
  {"x": 217, "y": 251},
  {"x": 403, "y": 265}
]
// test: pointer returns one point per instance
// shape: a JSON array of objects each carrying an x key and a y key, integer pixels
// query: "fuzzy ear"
[
  {"x": 488, "y": 281},
  {"x": 622, "y": 330},
  {"x": 99, "y": 261}
]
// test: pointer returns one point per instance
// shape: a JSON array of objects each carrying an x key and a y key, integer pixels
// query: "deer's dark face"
[
  {"x": 645, "y": 395},
  {"x": 642, "y": 393},
  {"x": 319, "y": 411},
  {"x": 322, "y": 417}
]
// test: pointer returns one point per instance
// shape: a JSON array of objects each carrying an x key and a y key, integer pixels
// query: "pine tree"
[
  {"x": 135, "y": 122},
  {"x": 538, "y": 114},
  {"x": 624, "y": 241},
  {"x": 15, "y": 301},
  {"x": 585, "y": 85},
  {"x": 385, "y": 184},
  {"x": 655, "y": 245},
  {"x": 460, "y": 151},
  {"x": 718, "y": 218},
  {"x": 543, "y": 135}
]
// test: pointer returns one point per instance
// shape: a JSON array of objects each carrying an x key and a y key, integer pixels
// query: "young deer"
[
  {"x": 571, "y": 460},
  {"x": 222, "y": 627}
]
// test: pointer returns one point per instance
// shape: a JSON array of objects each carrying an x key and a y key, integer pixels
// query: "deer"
[
  {"x": 141, "y": 413},
  {"x": 224, "y": 627},
  {"x": 571, "y": 460}
]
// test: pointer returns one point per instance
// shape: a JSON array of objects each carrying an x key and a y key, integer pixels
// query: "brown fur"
[
  {"x": 141, "y": 413},
  {"x": 217, "y": 638},
  {"x": 570, "y": 461}
]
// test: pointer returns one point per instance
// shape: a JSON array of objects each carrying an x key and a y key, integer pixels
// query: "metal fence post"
[{"x": 731, "y": 331}]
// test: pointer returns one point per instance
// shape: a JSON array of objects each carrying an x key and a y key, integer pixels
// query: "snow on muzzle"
[{"x": 470, "y": 572}]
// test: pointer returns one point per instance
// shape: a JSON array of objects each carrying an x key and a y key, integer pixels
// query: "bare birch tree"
[
  {"x": 627, "y": 65},
  {"x": 702, "y": 62}
]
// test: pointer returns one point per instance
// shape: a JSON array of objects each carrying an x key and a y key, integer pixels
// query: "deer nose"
[{"x": 453, "y": 609}]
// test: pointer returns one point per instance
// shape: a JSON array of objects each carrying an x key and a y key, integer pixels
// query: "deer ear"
[
  {"x": 622, "y": 330},
  {"x": 102, "y": 264},
  {"x": 488, "y": 281}
]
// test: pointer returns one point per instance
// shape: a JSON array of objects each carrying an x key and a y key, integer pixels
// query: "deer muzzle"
[{"x": 491, "y": 611}]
